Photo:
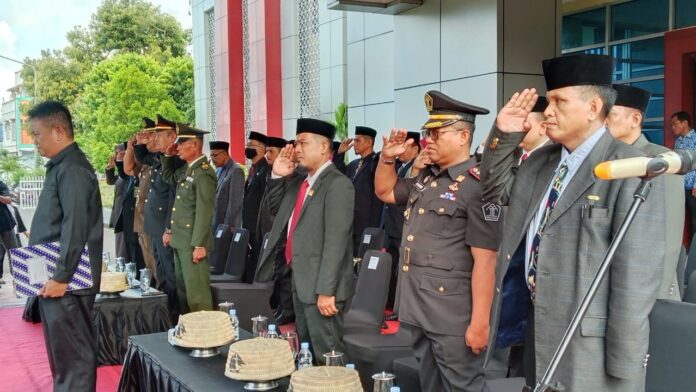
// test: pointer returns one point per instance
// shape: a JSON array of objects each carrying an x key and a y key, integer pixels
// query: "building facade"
[{"x": 261, "y": 64}]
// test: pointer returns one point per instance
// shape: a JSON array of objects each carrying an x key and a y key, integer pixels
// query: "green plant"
[{"x": 341, "y": 121}]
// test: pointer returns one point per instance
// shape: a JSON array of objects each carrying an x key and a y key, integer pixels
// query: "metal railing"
[{"x": 29, "y": 191}]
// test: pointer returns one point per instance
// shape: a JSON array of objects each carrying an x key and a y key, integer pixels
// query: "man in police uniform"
[
  {"x": 625, "y": 122},
  {"x": 192, "y": 215},
  {"x": 449, "y": 246}
]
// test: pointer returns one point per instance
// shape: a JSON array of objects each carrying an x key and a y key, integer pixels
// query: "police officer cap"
[
  {"x": 317, "y": 127},
  {"x": 219, "y": 145},
  {"x": 444, "y": 110},
  {"x": 185, "y": 132},
  {"x": 259, "y": 137},
  {"x": 148, "y": 124},
  {"x": 415, "y": 136},
  {"x": 578, "y": 70},
  {"x": 276, "y": 142},
  {"x": 162, "y": 124},
  {"x": 540, "y": 105},
  {"x": 632, "y": 97},
  {"x": 365, "y": 131}
]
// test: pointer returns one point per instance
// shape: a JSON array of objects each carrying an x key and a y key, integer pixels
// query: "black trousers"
[
  {"x": 255, "y": 248},
  {"x": 529, "y": 355},
  {"x": 71, "y": 343},
  {"x": 8, "y": 241},
  {"x": 281, "y": 298},
  {"x": 691, "y": 209},
  {"x": 164, "y": 257}
]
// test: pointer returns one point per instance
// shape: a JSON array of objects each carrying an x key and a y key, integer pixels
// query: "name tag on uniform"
[
  {"x": 419, "y": 186},
  {"x": 189, "y": 179},
  {"x": 237, "y": 236}
]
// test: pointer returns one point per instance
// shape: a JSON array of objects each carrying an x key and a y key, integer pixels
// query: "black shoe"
[{"x": 391, "y": 317}]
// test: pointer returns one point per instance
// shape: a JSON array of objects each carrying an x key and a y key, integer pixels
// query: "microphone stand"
[{"x": 639, "y": 196}]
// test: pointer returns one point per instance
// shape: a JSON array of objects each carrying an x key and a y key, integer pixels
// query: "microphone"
[{"x": 671, "y": 162}]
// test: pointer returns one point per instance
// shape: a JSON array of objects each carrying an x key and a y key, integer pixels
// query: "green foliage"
[
  {"x": 11, "y": 169},
  {"x": 341, "y": 121},
  {"x": 118, "y": 93},
  {"x": 130, "y": 62}
]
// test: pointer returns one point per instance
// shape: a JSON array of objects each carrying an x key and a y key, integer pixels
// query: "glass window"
[
  {"x": 685, "y": 13},
  {"x": 583, "y": 29},
  {"x": 656, "y": 106},
  {"x": 654, "y": 131},
  {"x": 639, "y": 59},
  {"x": 639, "y": 17}
]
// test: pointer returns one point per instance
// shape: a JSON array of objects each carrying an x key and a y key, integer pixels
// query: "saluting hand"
[
  {"x": 422, "y": 160},
  {"x": 346, "y": 145},
  {"x": 513, "y": 116},
  {"x": 284, "y": 165},
  {"x": 172, "y": 150},
  {"x": 396, "y": 144}
]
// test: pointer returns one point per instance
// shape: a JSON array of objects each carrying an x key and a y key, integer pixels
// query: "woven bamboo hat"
[
  {"x": 259, "y": 359},
  {"x": 204, "y": 329},
  {"x": 325, "y": 379}
]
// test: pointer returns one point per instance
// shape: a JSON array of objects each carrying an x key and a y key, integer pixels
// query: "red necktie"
[{"x": 301, "y": 193}]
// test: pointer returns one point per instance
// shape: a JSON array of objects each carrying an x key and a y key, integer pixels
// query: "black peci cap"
[
  {"x": 219, "y": 145},
  {"x": 578, "y": 70},
  {"x": 365, "y": 131},
  {"x": 632, "y": 97},
  {"x": 317, "y": 127},
  {"x": 259, "y": 137},
  {"x": 278, "y": 142}
]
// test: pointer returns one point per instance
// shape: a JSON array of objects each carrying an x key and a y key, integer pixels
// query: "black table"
[
  {"x": 116, "y": 319},
  {"x": 152, "y": 364}
]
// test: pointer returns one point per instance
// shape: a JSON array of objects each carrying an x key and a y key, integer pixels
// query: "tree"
[
  {"x": 118, "y": 93},
  {"x": 177, "y": 75},
  {"x": 58, "y": 79}
]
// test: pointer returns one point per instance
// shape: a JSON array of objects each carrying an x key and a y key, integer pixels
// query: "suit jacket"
[
  {"x": 368, "y": 207},
  {"x": 322, "y": 254},
  {"x": 254, "y": 189},
  {"x": 118, "y": 180},
  {"x": 608, "y": 353},
  {"x": 193, "y": 207},
  {"x": 674, "y": 213},
  {"x": 394, "y": 214},
  {"x": 160, "y": 196},
  {"x": 229, "y": 194}
]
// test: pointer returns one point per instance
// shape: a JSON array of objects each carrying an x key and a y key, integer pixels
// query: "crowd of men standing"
[{"x": 490, "y": 253}]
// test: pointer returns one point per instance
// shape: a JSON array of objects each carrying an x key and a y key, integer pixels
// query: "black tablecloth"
[
  {"x": 115, "y": 320},
  {"x": 152, "y": 364}
]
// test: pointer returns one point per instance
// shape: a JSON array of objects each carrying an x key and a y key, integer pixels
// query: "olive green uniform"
[{"x": 192, "y": 215}]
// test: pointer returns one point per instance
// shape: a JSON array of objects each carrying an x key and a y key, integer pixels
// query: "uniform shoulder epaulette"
[{"x": 475, "y": 172}]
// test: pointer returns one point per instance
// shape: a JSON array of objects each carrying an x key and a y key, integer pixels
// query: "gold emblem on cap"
[{"x": 428, "y": 102}]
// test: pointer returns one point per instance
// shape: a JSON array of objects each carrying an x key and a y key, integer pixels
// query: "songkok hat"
[
  {"x": 219, "y": 145},
  {"x": 444, "y": 110},
  {"x": 276, "y": 142},
  {"x": 366, "y": 131},
  {"x": 578, "y": 70},
  {"x": 259, "y": 137},
  {"x": 318, "y": 127},
  {"x": 632, "y": 97}
]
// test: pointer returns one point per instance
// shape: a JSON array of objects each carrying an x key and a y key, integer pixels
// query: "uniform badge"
[
  {"x": 491, "y": 212},
  {"x": 419, "y": 186},
  {"x": 454, "y": 187},
  {"x": 189, "y": 179},
  {"x": 310, "y": 193},
  {"x": 593, "y": 197},
  {"x": 494, "y": 143},
  {"x": 475, "y": 172},
  {"x": 448, "y": 196},
  {"x": 428, "y": 103}
]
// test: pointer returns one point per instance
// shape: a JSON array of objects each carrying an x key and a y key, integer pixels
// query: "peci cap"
[
  {"x": 578, "y": 70},
  {"x": 632, "y": 97},
  {"x": 317, "y": 127},
  {"x": 444, "y": 110}
]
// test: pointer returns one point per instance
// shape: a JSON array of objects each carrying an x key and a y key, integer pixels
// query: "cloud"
[{"x": 8, "y": 39}]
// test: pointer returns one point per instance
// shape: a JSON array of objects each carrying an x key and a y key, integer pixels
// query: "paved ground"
[{"x": 7, "y": 295}]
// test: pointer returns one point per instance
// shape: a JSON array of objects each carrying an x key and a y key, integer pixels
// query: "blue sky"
[{"x": 28, "y": 26}]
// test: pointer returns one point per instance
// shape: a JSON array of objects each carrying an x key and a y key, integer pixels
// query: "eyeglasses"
[
  {"x": 215, "y": 154},
  {"x": 434, "y": 133}
]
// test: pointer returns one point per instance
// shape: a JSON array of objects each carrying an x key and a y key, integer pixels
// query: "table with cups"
[{"x": 138, "y": 310}]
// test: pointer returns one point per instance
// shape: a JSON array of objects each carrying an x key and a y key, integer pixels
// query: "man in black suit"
[
  {"x": 254, "y": 188},
  {"x": 361, "y": 171},
  {"x": 7, "y": 223},
  {"x": 394, "y": 217}
]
